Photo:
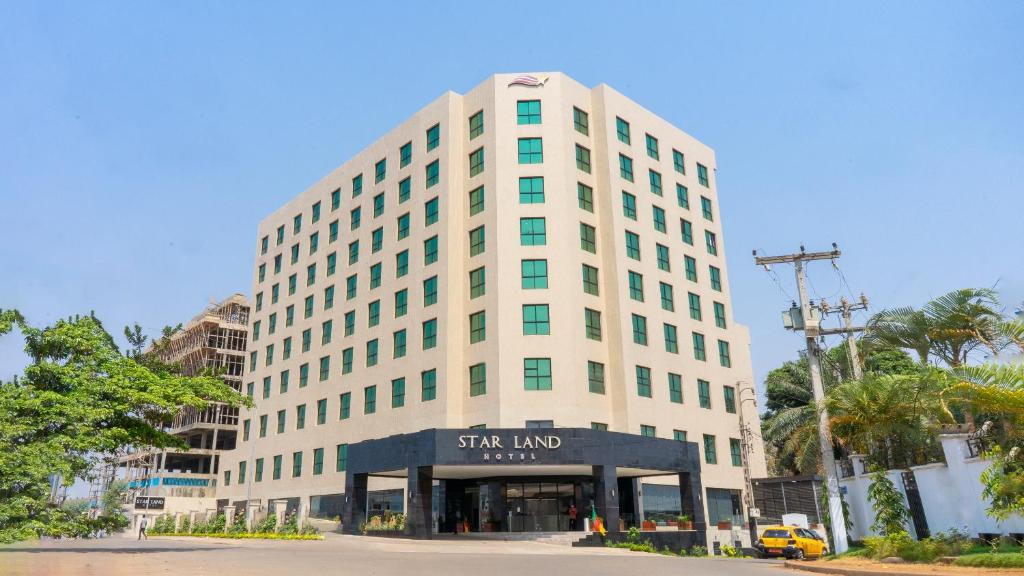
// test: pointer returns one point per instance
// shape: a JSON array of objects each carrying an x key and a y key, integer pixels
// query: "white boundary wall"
[{"x": 950, "y": 494}]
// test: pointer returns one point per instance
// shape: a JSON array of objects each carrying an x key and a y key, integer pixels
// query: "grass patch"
[
  {"x": 991, "y": 560},
  {"x": 853, "y": 552}
]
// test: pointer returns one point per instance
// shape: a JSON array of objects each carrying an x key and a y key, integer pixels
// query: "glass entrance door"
[{"x": 539, "y": 506}]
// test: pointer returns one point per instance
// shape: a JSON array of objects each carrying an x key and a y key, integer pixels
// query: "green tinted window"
[
  {"x": 595, "y": 377},
  {"x": 477, "y": 282},
  {"x": 476, "y": 124},
  {"x": 531, "y": 190},
  {"x": 433, "y": 137},
  {"x": 531, "y": 151},
  {"x": 528, "y": 112},
  {"x": 643, "y": 381},
  {"x": 477, "y": 379},
  {"x": 536, "y": 319},
  {"x": 534, "y": 274},
  {"x": 580, "y": 121},
  {"x": 537, "y": 373},
  {"x": 532, "y": 232},
  {"x": 476, "y": 162}
]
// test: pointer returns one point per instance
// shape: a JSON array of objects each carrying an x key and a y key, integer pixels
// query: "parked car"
[{"x": 790, "y": 542}]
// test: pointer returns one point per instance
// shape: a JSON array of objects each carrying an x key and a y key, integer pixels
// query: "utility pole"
[
  {"x": 805, "y": 318},
  {"x": 846, "y": 311}
]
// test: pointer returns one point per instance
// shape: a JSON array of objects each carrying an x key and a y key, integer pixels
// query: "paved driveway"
[{"x": 355, "y": 555}]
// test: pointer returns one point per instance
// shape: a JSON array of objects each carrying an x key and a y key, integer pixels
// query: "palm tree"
[
  {"x": 891, "y": 418},
  {"x": 949, "y": 327},
  {"x": 996, "y": 389},
  {"x": 790, "y": 414},
  {"x": 963, "y": 321},
  {"x": 789, "y": 427},
  {"x": 904, "y": 328}
]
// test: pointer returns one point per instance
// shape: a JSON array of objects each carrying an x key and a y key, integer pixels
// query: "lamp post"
[{"x": 748, "y": 493}]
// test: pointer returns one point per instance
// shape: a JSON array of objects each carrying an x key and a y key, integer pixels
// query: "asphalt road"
[{"x": 344, "y": 555}]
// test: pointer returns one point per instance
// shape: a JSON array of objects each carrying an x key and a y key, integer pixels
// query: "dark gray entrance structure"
[{"x": 613, "y": 461}]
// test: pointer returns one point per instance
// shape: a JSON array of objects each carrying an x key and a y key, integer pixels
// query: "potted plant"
[
  {"x": 725, "y": 525},
  {"x": 649, "y": 525},
  {"x": 683, "y": 522}
]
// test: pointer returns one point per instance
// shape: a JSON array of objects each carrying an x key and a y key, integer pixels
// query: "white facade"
[{"x": 518, "y": 390}]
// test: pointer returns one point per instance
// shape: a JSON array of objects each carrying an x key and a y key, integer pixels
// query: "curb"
[{"x": 841, "y": 571}]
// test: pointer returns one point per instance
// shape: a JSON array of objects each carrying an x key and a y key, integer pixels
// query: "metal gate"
[{"x": 916, "y": 507}]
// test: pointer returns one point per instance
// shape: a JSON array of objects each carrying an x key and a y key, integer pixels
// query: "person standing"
[
  {"x": 142, "y": 529},
  {"x": 572, "y": 516}
]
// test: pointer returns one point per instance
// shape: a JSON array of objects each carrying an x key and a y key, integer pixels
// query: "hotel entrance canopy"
[{"x": 450, "y": 455}]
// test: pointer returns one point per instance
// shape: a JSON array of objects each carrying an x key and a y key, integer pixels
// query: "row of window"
[
  {"x": 710, "y": 444},
  {"x": 341, "y": 464},
  {"x": 431, "y": 173},
  {"x": 528, "y": 112},
  {"x": 403, "y": 225},
  {"x": 537, "y": 375},
  {"x": 530, "y": 151},
  {"x": 533, "y": 231}
]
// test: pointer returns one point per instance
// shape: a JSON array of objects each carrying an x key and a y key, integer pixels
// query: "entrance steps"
[{"x": 560, "y": 538}]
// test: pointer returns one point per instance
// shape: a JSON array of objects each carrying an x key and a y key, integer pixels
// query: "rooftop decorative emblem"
[{"x": 528, "y": 81}]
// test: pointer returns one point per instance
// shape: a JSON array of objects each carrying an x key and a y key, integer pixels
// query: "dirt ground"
[{"x": 929, "y": 569}]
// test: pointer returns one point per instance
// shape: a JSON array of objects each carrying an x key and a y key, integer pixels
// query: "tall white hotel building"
[{"x": 514, "y": 301}]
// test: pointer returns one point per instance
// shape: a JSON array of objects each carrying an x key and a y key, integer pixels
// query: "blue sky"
[{"x": 141, "y": 143}]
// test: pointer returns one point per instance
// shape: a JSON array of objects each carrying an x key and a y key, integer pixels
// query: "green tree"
[
  {"x": 136, "y": 339},
  {"x": 80, "y": 399},
  {"x": 789, "y": 426}
]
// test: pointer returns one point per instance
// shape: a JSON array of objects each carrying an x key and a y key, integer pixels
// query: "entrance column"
[
  {"x": 419, "y": 487},
  {"x": 691, "y": 498},
  {"x": 496, "y": 496},
  {"x": 355, "y": 501},
  {"x": 607, "y": 499}
]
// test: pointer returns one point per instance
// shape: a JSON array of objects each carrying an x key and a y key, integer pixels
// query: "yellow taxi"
[{"x": 791, "y": 542}]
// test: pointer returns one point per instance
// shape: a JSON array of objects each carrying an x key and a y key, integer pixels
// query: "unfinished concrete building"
[{"x": 212, "y": 342}]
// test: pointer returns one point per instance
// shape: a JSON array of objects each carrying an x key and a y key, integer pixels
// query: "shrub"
[
  {"x": 731, "y": 551},
  {"x": 903, "y": 546},
  {"x": 289, "y": 526},
  {"x": 956, "y": 541},
  {"x": 186, "y": 524},
  {"x": 164, "y": 524},
  {"x": 261, "y": 536},
  {"x": 891, "y": 512},
  {"x": 387, "y": 522},
  {"x": 634, "y": 535},
  {"x": 699, "y": 550},
  {"x": 266, "y": 525}
]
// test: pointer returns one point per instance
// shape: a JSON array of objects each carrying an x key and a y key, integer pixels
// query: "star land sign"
[{"x": 515, "y": 449}]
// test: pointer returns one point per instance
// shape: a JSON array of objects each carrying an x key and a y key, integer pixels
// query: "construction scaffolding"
[{"x": 212, "y": 343}]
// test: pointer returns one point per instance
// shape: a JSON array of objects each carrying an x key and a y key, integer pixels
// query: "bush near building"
[{"x": 216, "y": 527}]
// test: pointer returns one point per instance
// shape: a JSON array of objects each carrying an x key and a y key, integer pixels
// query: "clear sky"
[{"x": 142, "y": 142}]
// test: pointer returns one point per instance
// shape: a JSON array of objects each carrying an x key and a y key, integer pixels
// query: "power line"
[{"x": 842, "y": 277}]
